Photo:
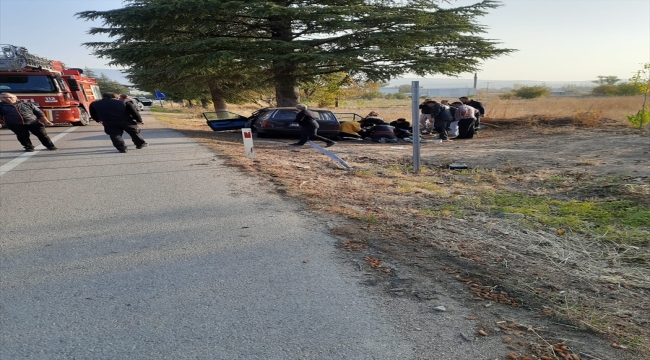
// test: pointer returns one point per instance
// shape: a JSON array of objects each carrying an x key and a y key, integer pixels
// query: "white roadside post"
[
  {"x": 415, "y": 102},
  {"x": 248, "y": 143}
]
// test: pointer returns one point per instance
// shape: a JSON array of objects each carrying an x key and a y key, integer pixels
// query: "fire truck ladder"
[{"x": 14, "y": 58}]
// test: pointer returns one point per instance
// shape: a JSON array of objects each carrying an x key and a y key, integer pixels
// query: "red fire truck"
[{"x": 63, "y": 94}]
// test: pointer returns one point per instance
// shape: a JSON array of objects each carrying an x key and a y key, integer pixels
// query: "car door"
[
  {"x": 225, "y": 120},
  {"x": 348, "y": 116}
]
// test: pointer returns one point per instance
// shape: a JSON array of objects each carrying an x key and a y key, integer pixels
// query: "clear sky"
[{"x": 557, "y": 40}]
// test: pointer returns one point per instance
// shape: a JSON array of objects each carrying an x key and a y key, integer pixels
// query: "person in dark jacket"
[
  {"x": 118, "y": 117},
  {"x": 309, "y": 127},
  {"x": 476, "y": 105},
  {"x": 452, "y": 128},
  {"x": 442, "y": 119},
  {"x": 402, "y": 127},
  {"x": 402, "y": 124},
  {"x": 425, "y": 109},
  {"x": 372, "y": 119},
  {"x": 23, "y": 118}
]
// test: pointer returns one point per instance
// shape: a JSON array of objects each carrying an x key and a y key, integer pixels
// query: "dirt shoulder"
[{"x": 549, "y": 285}]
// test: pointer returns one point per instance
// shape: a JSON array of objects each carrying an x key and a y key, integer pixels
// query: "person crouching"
[{"x": 350, "y": 130}]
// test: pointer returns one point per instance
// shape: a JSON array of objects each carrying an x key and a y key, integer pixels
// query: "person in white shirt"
[{"x": 466, "y": 116}]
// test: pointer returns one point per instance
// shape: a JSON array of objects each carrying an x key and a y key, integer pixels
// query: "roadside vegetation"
[
  {"x": 570, "y": 244},
  {"x": 564, "y": 110}
]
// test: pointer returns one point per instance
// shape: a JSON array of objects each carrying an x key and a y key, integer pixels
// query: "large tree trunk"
[
  {"x": 286, "y": 91},
  {"x": 286, "y": 88},
  {"x": 217, "y": 95}
]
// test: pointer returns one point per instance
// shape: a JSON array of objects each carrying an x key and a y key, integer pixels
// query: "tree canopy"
[
  {"x": 608, "y": 80},
  {"x": 282, "y": 43},
  {"x": 106, "y": 84}
]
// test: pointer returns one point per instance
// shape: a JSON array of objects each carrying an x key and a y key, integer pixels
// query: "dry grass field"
[
  {"x": 551, "y": 218},
  {"x": 580, "y": 111}
]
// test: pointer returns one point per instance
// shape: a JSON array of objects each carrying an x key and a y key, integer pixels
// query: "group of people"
[
  {"x": 375, "y": 128},
  {"x": 460, "y": 120},
  {"x": 117, "y": 116}
]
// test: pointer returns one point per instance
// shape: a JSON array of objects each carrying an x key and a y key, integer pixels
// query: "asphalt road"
[{"x": 165, "y": 253}]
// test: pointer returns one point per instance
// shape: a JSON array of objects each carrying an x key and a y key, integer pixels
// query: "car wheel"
[{"x": 84, "y": 118}]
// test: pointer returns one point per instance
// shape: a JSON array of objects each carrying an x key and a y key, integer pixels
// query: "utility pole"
[
  {"x": 475, "y": 80},
  {"x": 415, "y": 114},
  {"x": 487, "y": 91}
]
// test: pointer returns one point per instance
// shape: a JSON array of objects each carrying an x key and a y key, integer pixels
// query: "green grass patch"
[
  {"x": 558, "y": 179},
  {"x": 404, "y": 189},
  {"x": 166, "y": 118},
  {"x": 449, "y": 210},
  {"x": 369, "y": 218},
  {"x": 619, "y": 221},
  {"x": 430, "y": 187},
  {"x": 364, "y": 173}
]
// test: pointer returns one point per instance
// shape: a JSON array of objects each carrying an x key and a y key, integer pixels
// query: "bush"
[
  {"x": 640, "y": 119},
  {"x": 588, "y": 118},
  {"x": 626, "y": 89},
  {"x": 370, "y": 96},
  {"x": 532, "y": 92},
  {"x": 398, "y": 96},
  {"x": 605, "y": 90}
]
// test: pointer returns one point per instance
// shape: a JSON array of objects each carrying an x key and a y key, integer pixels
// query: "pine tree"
[{"x": 286, "y": 42}]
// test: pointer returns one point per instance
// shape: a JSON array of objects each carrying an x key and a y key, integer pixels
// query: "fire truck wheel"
[{"x": 85, "y": 119}]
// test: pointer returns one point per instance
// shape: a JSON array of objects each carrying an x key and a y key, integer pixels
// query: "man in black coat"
[
  {"x": 118, "y": 117},
  {"x": 23, "y": 118},
  {"x": 309, "y": 127},
  {"x": 442, "y": 119},
  {"x": 476, "y": 105}
]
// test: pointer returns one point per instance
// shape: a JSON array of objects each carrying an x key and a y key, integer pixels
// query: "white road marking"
[{"x": 22, "y": 158}]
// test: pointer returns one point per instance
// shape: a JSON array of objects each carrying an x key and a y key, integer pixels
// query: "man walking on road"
[
  {"x": 23, "y": 118},
  {"x": 118, "y": 117}
]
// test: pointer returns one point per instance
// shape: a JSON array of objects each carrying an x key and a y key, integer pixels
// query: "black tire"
[
  {"x": 85, "y": 118},
  {"x": 262, "y": 135}
]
